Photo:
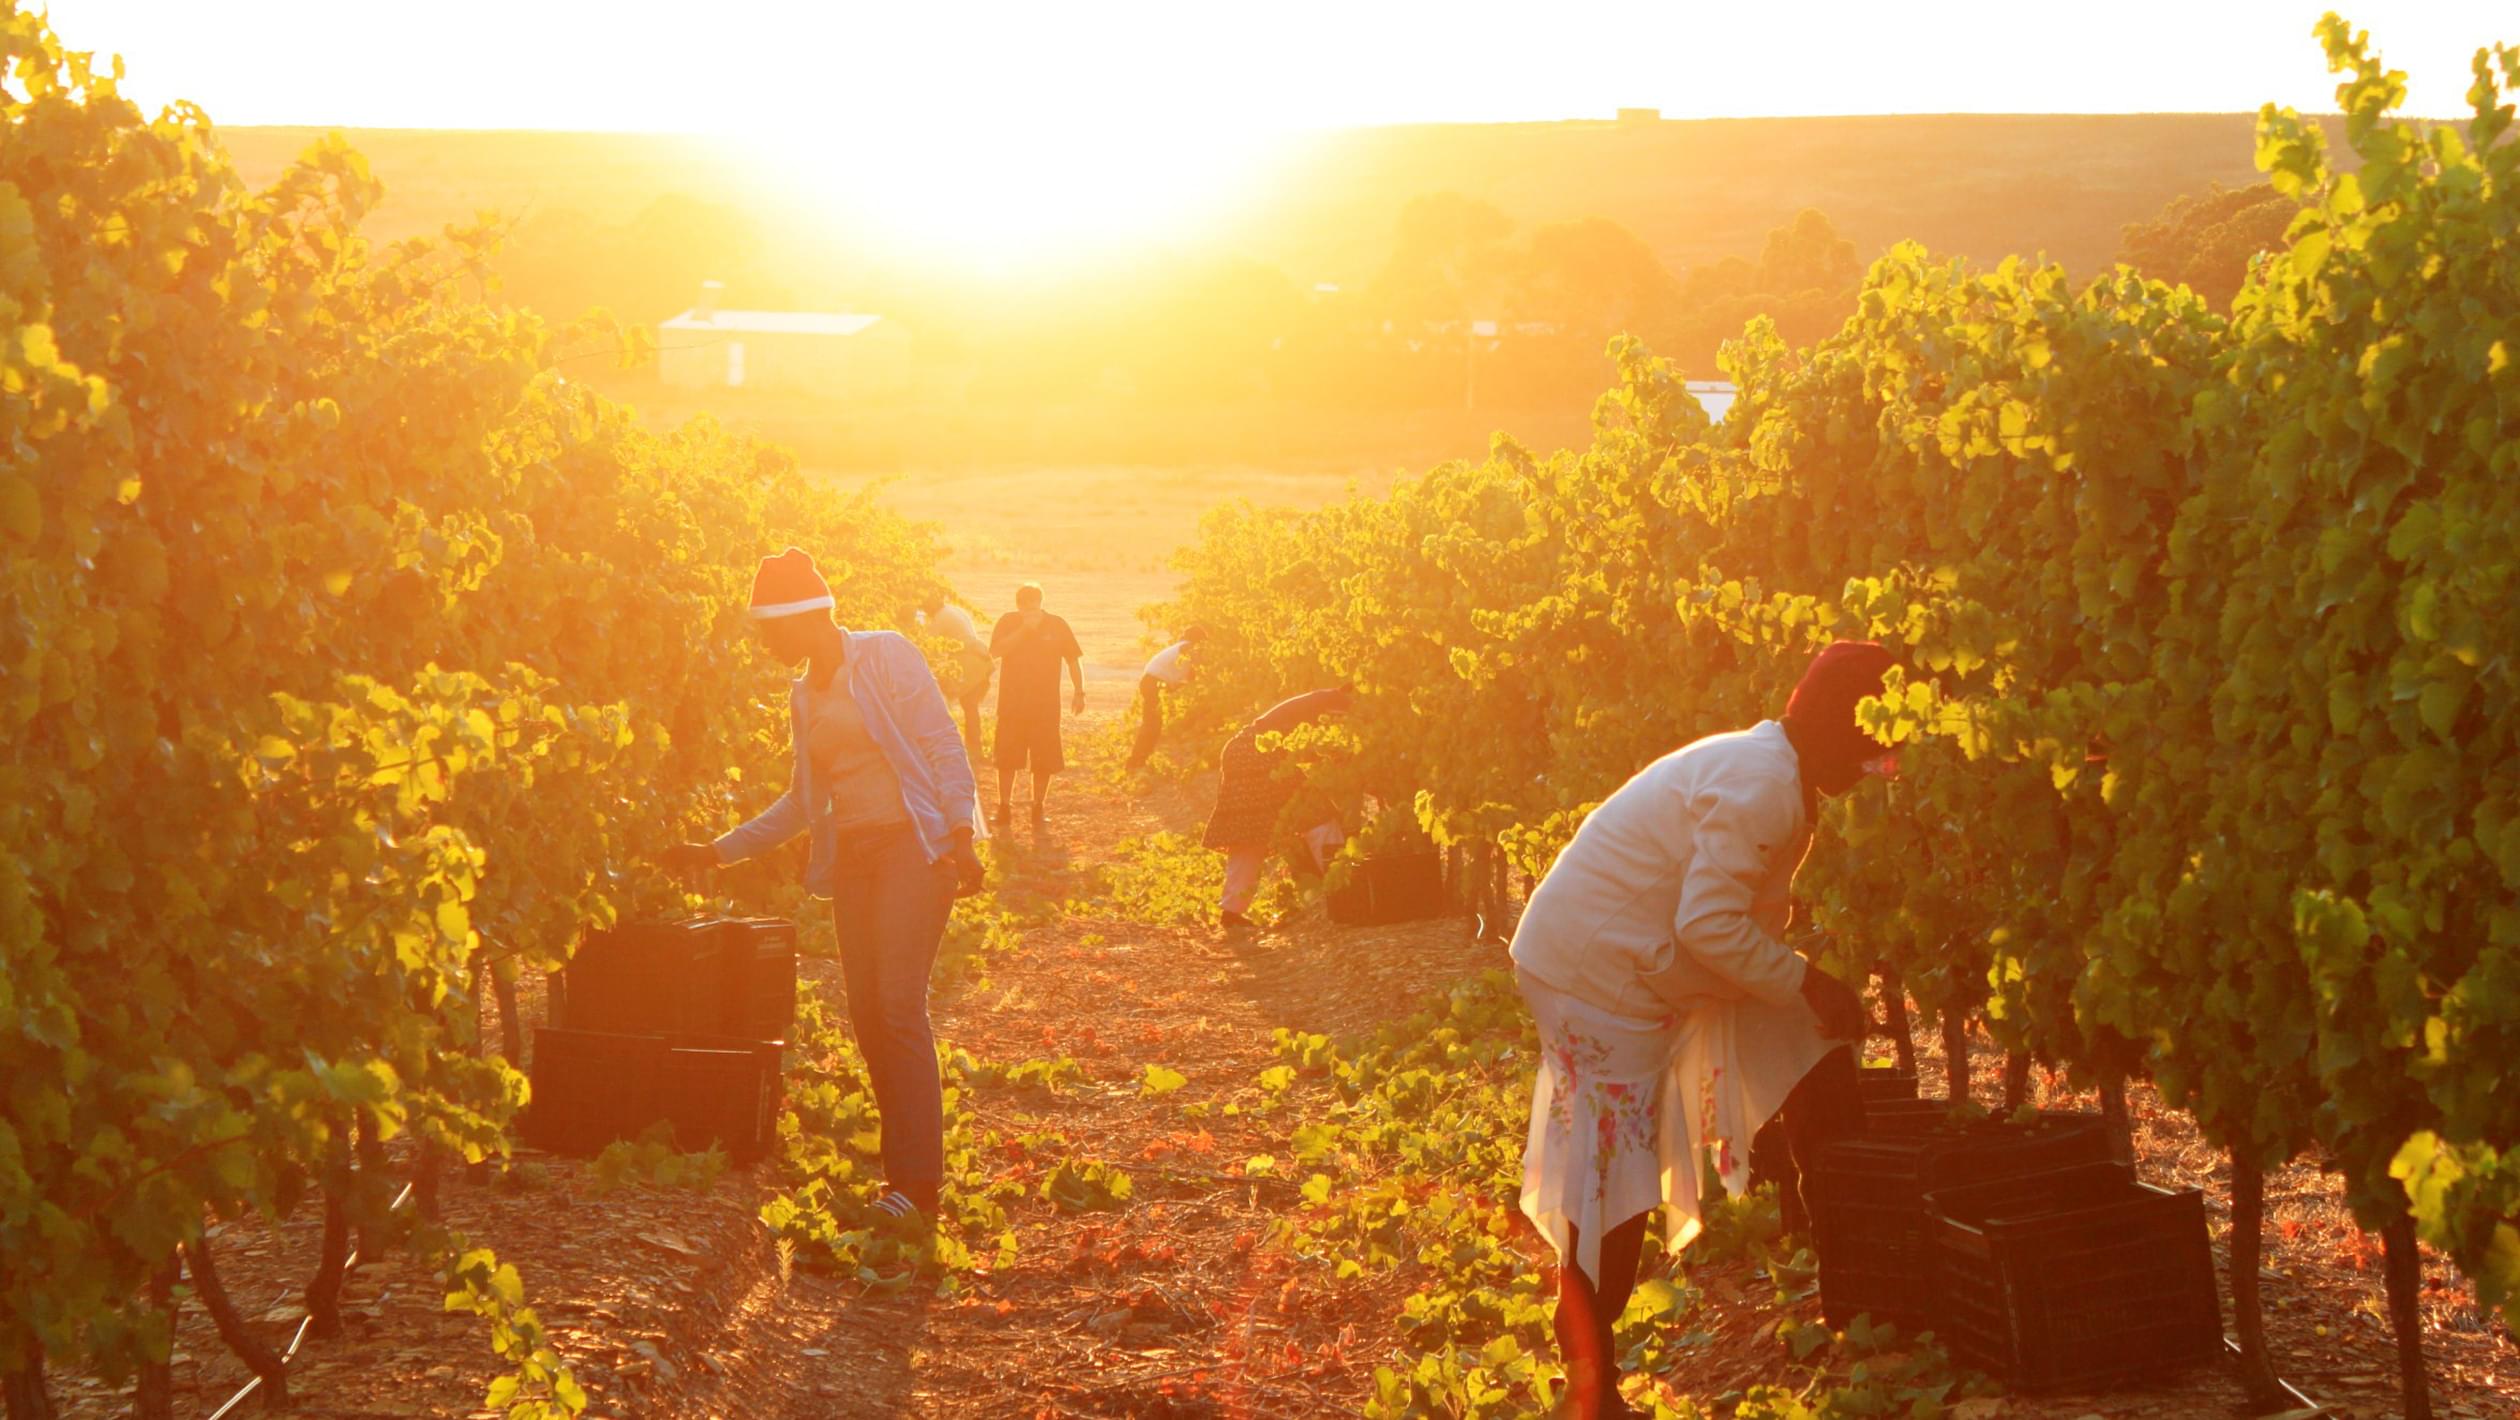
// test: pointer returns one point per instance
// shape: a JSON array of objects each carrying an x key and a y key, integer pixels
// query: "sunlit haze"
[{"x": 999, "y": 132}]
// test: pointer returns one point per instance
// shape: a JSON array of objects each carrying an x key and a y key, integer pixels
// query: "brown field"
[
  {"x": 1099, "y": 540},
  {"x": 1976, "y": 185}
]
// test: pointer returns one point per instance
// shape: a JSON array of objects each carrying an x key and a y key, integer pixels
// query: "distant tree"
[
  {"x": 1596, "y": 278},
  {"x": 1208, "y": 333},
  {"x": 1807, "y": 254},
  {"x": 1448, "y": 258},
  {"x": 1589, "y": 279},
  {"x": 2205, "y": 240},
  {"x": 1805, "y": 280}
]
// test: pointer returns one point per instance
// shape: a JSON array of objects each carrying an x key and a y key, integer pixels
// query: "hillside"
[
  {"x": 1696, "y": 191},
  {"x": 1221, "y": 348},
  {"x": 1982, "y": 186}
]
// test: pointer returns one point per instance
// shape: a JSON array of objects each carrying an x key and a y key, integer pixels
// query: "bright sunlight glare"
[
  {"x": 1037, "y": 138},
  {"x": 983, "y": 190}
]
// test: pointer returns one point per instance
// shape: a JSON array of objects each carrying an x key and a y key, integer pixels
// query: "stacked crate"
[
  {"x": 2019, "y": 1243},
  {"x": 2077, "y": 1278},
  {"x": 681, "y": 1022},
  {"x": 1886, "y": 1089},
  {"x": 724, "y": 976},
  {"x": 1389, "y": 888},
  {"x": 1880, "y": 1084},
  {"x": 1867, "y": 1199}
]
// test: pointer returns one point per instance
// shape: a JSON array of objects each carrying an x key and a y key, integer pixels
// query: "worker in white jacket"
[{"x": 1674, "y": 1020}]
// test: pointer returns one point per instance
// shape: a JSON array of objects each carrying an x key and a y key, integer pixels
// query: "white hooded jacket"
[{"x": 1673, "y": 892}]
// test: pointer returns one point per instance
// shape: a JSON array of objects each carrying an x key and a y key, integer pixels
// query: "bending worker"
[{"x": 1674, "y": 1020}]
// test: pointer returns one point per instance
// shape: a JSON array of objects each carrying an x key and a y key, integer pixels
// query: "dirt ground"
[
  {"x": 1099, "y": 540},
  {"x": 671, "y": 1303}
]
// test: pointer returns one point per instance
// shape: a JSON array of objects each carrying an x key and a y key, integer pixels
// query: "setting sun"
[{"x": 992, "y": 189}]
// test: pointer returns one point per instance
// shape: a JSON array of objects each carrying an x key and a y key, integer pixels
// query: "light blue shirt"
[{"x": 906, "y": 717}]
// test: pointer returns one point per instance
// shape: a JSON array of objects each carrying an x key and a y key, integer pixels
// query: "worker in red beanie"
[
  {"x": 881, "y": 788},
  {"x": 1674, "y": 1019},
  {"x": 1833, "y": 750}
]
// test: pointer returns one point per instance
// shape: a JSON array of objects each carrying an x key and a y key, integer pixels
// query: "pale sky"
[
  {"x": 1085, "y": 121},
  {"x": 748, "y": 65}
]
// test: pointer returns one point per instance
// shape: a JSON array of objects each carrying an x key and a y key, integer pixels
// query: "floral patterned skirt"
[{"x": 1624, "y": 1107}]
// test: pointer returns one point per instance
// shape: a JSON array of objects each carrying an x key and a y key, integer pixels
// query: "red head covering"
[
  {"x": 788, "y": 584},
  {"x": 1821, "y": 714}
]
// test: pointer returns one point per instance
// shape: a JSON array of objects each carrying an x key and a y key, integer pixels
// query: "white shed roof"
[{"x": 773, "y": 322}]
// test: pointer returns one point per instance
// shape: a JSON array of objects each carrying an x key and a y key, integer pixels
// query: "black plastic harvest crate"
[
  {"x": 2078, "y": 1277},
  {"x": 723, "y": 1093},
  {"x": 644, "y": 978},
  {"x": 1867, "y": 1199},
  {"x": 1879, "y": 1083},
  {"x": 713, "y": 976},
  {"x": 1885, "y": 1090},
  {"x": 592, "y": 1088},
  {"x": 757, "y": 957},
  {"x": 1389, "y": 888}
]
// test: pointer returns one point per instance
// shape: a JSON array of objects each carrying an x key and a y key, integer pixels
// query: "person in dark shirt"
[
  {"x": 1031, "y": 642},
  {"x": 1253, "y": 789}
]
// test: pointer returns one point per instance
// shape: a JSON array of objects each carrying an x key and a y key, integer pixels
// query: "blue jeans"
[{"x": 888, "y": 907}]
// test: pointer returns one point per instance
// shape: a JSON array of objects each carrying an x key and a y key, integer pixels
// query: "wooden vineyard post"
[
  {"x": 23, "y": 1384},
  {"x": 2016, "y": 1080},
  {"x": 484, "y": 986},
  {"x": 1488, "y": 886},
  {"x": 2115, "y": 1120},
  {"x": 2403, "y": 1262},
  {"x": 153, "y": 1388},
  {"x": 323, "y": 1294},
  {"x": 1955, "y": 1034},
  {"x": 2248, "y": 1312},
  {"x": 1902, "y": 1033},
  {"x": 1487, "y": 891},
  {"x": 233, "y": 1328},
  {"x": 371, "y": 1155},
  {"x": 511, "y": 1024},
  {"x": 426, "y": 1171}
]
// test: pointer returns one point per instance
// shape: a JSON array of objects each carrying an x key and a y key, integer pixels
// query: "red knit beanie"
[
  {"x": 787, "y": 585},
  {"x": 1821, "y": 713}
]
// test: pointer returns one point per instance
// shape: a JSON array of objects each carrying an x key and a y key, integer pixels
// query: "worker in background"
[
  {"x": 1034, "y": 644},
  {"x": 1254, "y": 786},
  {"x": 972, "y": 663},
  {"x": 1171, "y": 668}
]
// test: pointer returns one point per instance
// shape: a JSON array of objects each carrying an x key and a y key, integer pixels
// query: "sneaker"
[
  {"x": 896, "y": 1204},
  {"x": 1234, "y": 922}
]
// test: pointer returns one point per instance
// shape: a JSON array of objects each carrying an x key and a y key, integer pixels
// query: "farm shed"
[{"x": 834, "y": 353}]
